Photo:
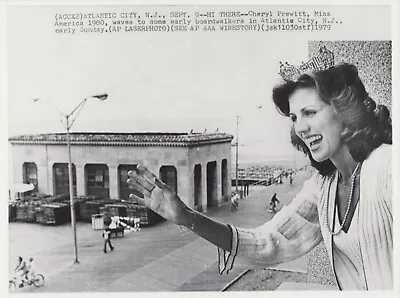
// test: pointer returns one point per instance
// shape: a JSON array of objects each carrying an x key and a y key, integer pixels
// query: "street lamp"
[{"x": 68, "y": 124}]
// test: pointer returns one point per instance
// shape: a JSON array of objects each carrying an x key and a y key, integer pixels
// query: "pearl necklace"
[{"x": 353, "y": 179}]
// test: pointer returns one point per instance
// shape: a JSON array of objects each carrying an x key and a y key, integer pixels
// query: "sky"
[{"x": 167, "y": 82}]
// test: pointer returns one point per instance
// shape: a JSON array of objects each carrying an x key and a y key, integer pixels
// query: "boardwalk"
[{"x": 158, "y": 258}]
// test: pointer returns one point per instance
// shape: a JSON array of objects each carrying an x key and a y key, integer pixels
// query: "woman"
[{"x": 346, "y": 203}]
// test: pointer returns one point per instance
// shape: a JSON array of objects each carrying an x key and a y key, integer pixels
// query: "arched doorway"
[
  {"x": 197, "y": 185},
  {"x": 224, "y": 179},
  {"x": 212, "y": 183}
]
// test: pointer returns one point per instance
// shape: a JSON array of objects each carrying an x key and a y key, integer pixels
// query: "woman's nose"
[{"x": 301, "y": 127}]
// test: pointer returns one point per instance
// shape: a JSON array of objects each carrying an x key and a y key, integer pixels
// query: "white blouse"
[
  {"x": 347, "y": 255},
  {"x": 300, "y": 226}
]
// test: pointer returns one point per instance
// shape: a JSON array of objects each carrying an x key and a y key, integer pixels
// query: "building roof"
[{"x": 124, "y": 139}]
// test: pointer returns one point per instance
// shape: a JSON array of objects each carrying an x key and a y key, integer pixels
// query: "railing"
[{"x": 263, "y": 182}]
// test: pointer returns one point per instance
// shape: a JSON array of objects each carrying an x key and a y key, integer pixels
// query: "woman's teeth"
[{"x": 314, "y": 142}]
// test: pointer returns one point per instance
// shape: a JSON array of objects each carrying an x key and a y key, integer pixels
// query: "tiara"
[{"x": 324, "y": 59}]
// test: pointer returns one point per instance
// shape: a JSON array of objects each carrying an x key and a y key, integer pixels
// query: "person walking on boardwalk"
[
  {"x": 234, "y": 201},
  {"x": 107, "y": 239}
]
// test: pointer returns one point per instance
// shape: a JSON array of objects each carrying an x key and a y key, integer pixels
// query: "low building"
[{"x": 195, "y": 165}]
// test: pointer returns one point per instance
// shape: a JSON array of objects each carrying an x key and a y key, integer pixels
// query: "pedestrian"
[
  {"x": 234, "y": 201},
  {"x": 107, "y": 239},
  {"x": 347, "y": 202},
  {"x": 290, "y": 178}
]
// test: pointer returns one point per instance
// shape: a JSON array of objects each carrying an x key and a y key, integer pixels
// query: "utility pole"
[
  {"x": 71, "y": 191},
  {"x": 237, "y": 153}
]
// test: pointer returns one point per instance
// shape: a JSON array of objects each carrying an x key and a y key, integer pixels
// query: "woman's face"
[{"x": 315, "y": 123}]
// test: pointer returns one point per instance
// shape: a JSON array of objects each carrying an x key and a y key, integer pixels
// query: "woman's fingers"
[
  {"x": 142, "y": 170},
  {"x": 140, "y": 188},
  {"x": 136, "y": 199},
  {"x": 149, "y": 185},
  {"x": 143, "y": 181}
]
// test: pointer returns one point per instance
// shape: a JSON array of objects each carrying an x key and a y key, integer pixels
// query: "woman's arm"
[
  {"x": 215, "y": 232},
  {"x": 291, "y": 233}
]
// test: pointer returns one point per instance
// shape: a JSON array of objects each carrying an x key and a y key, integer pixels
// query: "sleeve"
[
  {"x": 291, "y": 233},
  {"x": 384, "y": 163}
]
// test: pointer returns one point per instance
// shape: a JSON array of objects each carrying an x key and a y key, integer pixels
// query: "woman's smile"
[{"x": 313, "y": 142}]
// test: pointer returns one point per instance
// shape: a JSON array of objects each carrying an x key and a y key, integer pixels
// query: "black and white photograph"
[{"x": 196, "y": 147}]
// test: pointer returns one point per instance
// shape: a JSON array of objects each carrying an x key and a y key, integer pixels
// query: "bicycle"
[
  {"x": 234, "y": 206},
  {"x": 37, "y": 280},
  {"x": 271, "y": 207}
]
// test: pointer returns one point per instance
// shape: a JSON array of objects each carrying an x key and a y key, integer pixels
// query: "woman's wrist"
[{"x": 189, "y": 218}]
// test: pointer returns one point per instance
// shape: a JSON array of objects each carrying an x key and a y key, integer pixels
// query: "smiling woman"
[
  {"x": 342, "y": 131},
  {"x": 339, "y": 93},
  {"x": 347, "y": 203}
]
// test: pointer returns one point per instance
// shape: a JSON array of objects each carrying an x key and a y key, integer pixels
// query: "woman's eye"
[{"x": 310, "y": 113}]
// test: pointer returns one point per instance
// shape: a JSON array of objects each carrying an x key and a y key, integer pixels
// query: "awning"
[{"x": 22, "y": 187}]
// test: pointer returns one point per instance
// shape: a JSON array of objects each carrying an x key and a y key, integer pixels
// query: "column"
[
  {"x": 17, "y": 176},
  {"x": 113, "y": 181},
  {"x": 80, "y": 180},
  {"x": 184, "y": 189},
  {"x": 45, "y": 184}
]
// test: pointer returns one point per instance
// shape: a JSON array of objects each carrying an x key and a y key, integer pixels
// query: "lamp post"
[
  {"x": 237, "y": 153},
  {"x": 68, "y": 125}
]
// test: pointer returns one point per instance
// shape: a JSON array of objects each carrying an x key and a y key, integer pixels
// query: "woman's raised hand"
[{"x": 156, "y": 195}]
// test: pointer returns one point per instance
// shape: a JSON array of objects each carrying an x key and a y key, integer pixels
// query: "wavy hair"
[{"x": 366, "y": 125}]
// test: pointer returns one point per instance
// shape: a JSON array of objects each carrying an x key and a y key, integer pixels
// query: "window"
[
  {"x": 123, "y": 175},
  {"x": 30, "y": 175},
  {"x": 124, "y": 188},
  {"x": 97, "y": 180},
  {"x": 61, "y": 178},
  {"x": 97, "y": 176},
  {"x": 169, "y": 176}
]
